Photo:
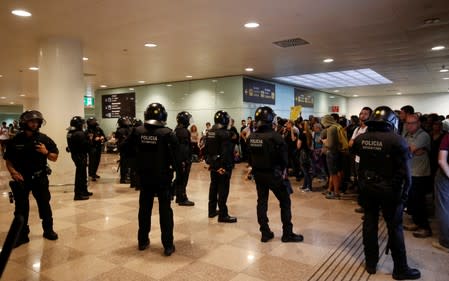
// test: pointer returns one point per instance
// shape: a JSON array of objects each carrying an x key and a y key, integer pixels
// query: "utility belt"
[
  {"x": 38, "y": 174},
  {"x": 373, "y": 177}
]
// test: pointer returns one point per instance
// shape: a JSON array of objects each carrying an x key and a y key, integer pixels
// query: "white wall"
[{"x": 425, "y": 103}]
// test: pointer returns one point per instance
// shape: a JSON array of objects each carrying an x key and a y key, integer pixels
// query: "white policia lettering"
[
  {"x": 148, "y": 139},
  {"x": 255, "y": 142},
  {"x": 372, "y": 145}
]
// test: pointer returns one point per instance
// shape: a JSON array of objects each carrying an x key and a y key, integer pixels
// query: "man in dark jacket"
[
  {"x": 269, "y": 160},
  {"x": 219, "y": 156},
  {"x": 78, "y": 144},
  {"x": 154, "y": 145},
  {"x": 26, "y": 160},
  {"x": 184, "y": 154},
  {"x": 384, "y": 178}
]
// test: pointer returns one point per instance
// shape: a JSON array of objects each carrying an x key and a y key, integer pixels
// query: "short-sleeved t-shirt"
[{"x": 420, "y": 165}]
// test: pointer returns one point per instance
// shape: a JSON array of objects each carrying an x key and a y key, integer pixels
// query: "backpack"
[{"x": 342, "y": 139}]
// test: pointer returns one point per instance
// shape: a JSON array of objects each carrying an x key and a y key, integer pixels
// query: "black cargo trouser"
[
  {"x": 80, "y": 160},
  {"x": 266, "y": 181},
  {"x": 392, "y": 211},
  {"x": 219, "y": 191},
  {"x": 94, "y": 160},
  {"x": 147, "y": 193},
  {"x": 39, "y": 188},
  {"x": 182, "y": 178}
]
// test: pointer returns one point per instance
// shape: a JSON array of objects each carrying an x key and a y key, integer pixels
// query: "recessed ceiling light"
[
  {"x": 34, "y": 68},
  {"x": 249, "y": 69},
  {"x": 355, "y": 96},
  {"x": 141, "y": 81},
  {"x": 11, "y": 102},
  {"x": 214, "y": 81},
  {"x": 340, "y": 79},
  {"x": 328, "y": 60},
  {"x": 445, "y": 78},
  {"x": 444, "y": 70},
  {"x": 131, "y": 89},
  {"x": 21, "y": 13},
  {"x": 398, "y": 93},
  {"x": 221, "y": 92},
  {"x": 2, "y": 98},
  {"x": 336, "y": 91},
  {"x": 103, "y": 86},
  {"x": 332, "y": 97},
  {"x": 1, "y": 76},
  {"x": 438, "y": 48},
  {"x": 189, "y": 76},
  {"x": 22, "y": 95},
  {"x": 150, "y": 45},
  {"x": 169, "y": 85},
  {"x": 251, "y": 25},
  {"x": 85, "y": 58}
]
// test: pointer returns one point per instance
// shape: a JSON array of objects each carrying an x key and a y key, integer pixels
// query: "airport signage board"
[
  {"x": 304, "y": 97},
  {"x": 118, "y": 105},
  {"x": 258, "y": 92}
]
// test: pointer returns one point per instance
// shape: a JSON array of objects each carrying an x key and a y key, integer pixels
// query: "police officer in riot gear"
[
  {"x": 269, "y": 160},
  {"x": 219, "y": 156},
  {"x": 154, "y": 146},
  {"x": 78, "y": 144},
  {"x": 26, "y": 159},
  {"x": 185, "y": 157},
  {"x": 96, "y": 139},
  {"x": 121, "y": 134},
  {"x": 384, "y": 177}
]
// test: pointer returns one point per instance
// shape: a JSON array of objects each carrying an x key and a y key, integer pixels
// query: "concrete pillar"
[{"x": 61, "y": 91}]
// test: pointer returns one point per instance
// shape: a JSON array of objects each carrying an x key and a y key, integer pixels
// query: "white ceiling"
[{"x": 206, "y": 38}]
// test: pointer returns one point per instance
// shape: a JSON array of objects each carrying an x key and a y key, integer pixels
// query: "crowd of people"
[{"x": 394, "y": 160}]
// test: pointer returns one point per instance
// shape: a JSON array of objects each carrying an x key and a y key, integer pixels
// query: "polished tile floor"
[{"x": 97, "y": 237}]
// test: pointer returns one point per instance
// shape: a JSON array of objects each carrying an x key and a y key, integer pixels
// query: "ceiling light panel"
[{"x": 340, "y": 79}]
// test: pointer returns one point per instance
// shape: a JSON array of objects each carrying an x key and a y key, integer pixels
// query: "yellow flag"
[{"x": 295, "y": 111}]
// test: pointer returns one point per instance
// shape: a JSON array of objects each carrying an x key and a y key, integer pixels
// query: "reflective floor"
[{"x": 97, "y": 237}]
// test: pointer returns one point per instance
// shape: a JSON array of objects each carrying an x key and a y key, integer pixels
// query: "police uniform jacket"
[
  {"x": 21, "y": 151},
  {"x": 384, "y": 163},
  {"x": 184, "y": 151},
  {"x": 94, "y": 132},
  {"x": 154, "y": 148},
  {"x": 219, "y": 148},
  {"x": 268, "y": 150},
  {"x": 78, "y": 142}
]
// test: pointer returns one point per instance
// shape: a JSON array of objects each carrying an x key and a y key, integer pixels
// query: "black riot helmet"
[
  {"x": 92, "y": 122},
  {"x": 264, "y": 116},
  {"x": 222, "y": 118},
  {"x": 155, "y": 114},
  {"x": 77, "y": 122},
  {"x": 183, "y": 118},
  {"x": 123, "y": 122},
  {"x": 28, "y": 116},
  {"x": 383, "y": 119}
]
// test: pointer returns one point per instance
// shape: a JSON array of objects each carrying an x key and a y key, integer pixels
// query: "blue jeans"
[{"x": 442, "y": 206}]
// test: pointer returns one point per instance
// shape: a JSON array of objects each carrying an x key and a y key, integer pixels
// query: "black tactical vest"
[{"x": 262, "y": 149}]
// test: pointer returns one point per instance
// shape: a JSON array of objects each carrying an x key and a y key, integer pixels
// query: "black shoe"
[
  {"x": 213, "y": 214},
  {"x": 371, "y": 269},
  {"x": 88, "y": 193},
  {"x": 227, "y": 219},
  {"x": 50, "y": 235},
  {"x": 292, "y": 237},
  {"x": 22, "y": 240},
  {"x": 267, "y": 236},
  {"x": 93, "y": 179},
  {"x": 407, "y": 274},
  {"x": 144, "y": 245},
  {"x": 125, "y": 181},
  {"x": 186, "y": 203},
  {"x": 169, "y": 250},
  {"x": 81, "y": 197},
  {"x": 96, "y": 176}
]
